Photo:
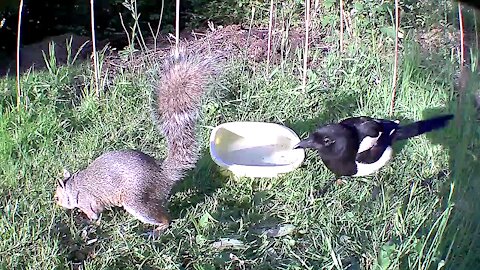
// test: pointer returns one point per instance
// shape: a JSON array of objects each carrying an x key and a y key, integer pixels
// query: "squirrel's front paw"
[
  {"x": 158, "y": 231},
  {"x": 92, "y": 216}
]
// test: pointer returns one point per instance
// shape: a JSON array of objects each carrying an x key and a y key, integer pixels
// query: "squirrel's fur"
[{"x": 132, "y": 179}]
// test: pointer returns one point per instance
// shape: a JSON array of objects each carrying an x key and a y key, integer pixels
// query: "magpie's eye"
[{"x": 327, "y": 141}]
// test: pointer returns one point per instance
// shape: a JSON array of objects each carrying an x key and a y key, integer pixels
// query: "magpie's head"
[
  {"x": 316, "y": 140},
  {"x": 329, "y": 140}
]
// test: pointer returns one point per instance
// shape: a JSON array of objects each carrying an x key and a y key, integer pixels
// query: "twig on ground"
[
  {"x": 395, "y": 65},
  {"x": 177, "y": 27},
  {"x": 270, "y": 26},
  {"x": 19, "y": 27},
  {"x": 94, "y": 49},
  {"x": 305, "y": 52},
  {"x": 341, "y": 26}
]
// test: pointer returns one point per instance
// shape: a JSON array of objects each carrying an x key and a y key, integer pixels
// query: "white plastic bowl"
[{"x": 255, "y": 149}]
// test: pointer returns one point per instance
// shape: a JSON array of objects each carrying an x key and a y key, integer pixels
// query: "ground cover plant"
[{"x": 419, "y": 212}]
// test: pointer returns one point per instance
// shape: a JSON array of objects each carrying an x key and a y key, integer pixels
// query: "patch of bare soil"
[
  {"x": 448, "y": 37},
  {"x": 32, "y": 55},
  {"x": 226, "y": 42},
  {"x": 438, "y": 37}
]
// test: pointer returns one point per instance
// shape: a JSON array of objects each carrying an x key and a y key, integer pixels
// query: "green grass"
[{"x": 417, "y": 213}]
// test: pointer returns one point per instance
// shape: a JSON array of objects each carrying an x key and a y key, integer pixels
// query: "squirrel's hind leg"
[{"x": 151, "y": 214}]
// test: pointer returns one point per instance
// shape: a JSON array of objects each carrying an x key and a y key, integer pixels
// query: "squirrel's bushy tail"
[{"x": 178, "y": 97}]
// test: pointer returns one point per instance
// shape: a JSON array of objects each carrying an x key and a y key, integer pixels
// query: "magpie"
[{"x": 361, "y": 146}]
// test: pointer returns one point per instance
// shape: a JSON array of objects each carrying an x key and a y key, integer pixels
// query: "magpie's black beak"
[{"x": 303, "y": 144}]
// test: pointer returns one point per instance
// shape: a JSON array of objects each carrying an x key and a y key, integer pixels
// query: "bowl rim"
[{"x": 260, "y": 168}]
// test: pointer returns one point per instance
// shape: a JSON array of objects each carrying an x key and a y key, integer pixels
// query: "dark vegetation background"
[
  {"x": 42, "y": 19},
  {"x": 54, "y": 17}
]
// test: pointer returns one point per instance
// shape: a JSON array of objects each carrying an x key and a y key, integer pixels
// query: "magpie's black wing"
[
  {"x": 387, "y": 126},
  {"x": 373, "y": 154},
  {"x": 364, "y": 125},
  {"x": 371, "y": 127},
  {"x": 367, "y": 128}
]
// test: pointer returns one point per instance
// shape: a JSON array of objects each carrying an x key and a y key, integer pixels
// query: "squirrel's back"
[{"x": 115, "y": 173}]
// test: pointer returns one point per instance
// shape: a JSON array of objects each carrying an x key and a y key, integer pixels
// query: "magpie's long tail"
[{"x": 421, "y": 127}]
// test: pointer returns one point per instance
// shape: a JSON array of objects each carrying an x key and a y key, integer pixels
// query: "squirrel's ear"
[
  {"x": 66, "y": 174},
  {"x": 61, "y": 183}
]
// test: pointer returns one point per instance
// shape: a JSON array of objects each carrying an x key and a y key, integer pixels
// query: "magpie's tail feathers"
[{"x": 421, "y": 127}]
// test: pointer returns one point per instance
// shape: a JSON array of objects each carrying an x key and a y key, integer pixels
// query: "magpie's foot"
[
  {"x": 319, "y": 193},
  {"x": 322, "y": 191}
]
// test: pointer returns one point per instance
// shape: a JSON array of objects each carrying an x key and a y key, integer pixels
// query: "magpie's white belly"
[
  {"x": 367, "y": 169},
  {"x": 368, "y": 142}
]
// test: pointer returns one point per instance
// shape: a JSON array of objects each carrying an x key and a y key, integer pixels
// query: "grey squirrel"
[{"x": 132, "y": 179}]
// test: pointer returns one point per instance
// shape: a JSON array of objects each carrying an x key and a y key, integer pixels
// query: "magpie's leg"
[{"x": 325, "y": 188}]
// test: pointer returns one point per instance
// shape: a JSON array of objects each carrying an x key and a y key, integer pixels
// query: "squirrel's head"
[{"x": 62, "y": 196}]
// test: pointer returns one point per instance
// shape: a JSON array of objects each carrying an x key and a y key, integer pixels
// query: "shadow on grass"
[
  {"x": 200, "y": 183},
  {"x": 460, "y": 244},
  {"x": 338, "y": 108},
  {"x": 74, "y": 249}
]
